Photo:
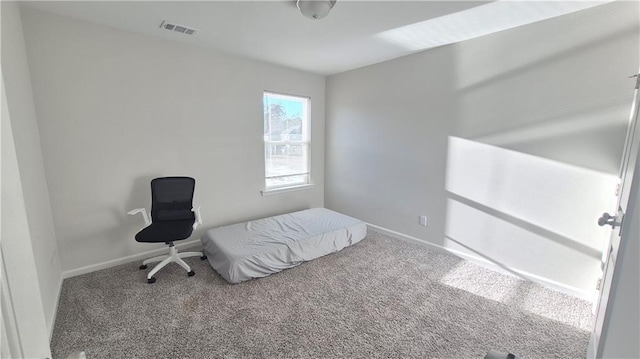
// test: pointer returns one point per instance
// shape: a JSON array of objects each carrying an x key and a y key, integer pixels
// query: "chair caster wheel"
[
  {"x": 191, "y": 274},
  {"x": 203, "y": 257},
  {"x": 151, "y": 280},
  {"x": 144, "y": 266}
]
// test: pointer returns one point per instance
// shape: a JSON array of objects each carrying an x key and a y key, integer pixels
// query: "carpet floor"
[{"x": 382, "y": 298}]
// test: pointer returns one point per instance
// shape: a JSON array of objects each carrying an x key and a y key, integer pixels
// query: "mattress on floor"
[{"x": 258, "y": 248}]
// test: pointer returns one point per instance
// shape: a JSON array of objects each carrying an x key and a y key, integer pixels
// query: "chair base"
[{"x": 173, "y": 257}]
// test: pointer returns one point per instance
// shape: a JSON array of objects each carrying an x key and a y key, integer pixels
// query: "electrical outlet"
[{"x": 422, "y": 220}]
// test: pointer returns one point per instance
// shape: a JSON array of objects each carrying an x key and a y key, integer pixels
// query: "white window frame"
[{"x": 305, "y": 142}]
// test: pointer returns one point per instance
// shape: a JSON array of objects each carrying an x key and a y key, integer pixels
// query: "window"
[{"x": 286, "y": 141}]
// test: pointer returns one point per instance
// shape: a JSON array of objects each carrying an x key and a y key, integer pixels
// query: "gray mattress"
[{"x": 258, "y": 248}]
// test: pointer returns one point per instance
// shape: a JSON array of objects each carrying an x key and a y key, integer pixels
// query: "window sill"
[{"x": 269, "y": 192}]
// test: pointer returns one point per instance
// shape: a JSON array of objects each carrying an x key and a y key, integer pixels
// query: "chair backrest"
[{"x": 172, "y": 198}]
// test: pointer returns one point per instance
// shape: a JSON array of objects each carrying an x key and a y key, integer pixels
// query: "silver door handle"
[{"x": 608, "y": 219}]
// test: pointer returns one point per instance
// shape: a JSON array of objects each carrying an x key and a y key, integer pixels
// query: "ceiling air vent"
[{"x": 178, "y": 28}]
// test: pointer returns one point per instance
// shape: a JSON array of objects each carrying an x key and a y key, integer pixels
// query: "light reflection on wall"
[{"x": 526, "y": 212}]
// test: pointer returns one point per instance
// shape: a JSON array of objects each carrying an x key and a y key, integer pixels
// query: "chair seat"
[{"x": 166, "y": 231}]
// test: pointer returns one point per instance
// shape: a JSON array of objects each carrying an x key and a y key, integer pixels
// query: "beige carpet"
[{"x": 382, "y": 298}]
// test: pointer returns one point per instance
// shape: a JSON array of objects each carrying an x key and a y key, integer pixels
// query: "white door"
[{"x": 629, "y": 158}]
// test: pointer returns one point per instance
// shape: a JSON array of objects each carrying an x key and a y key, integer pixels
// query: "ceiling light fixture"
[{"x": 315, "y": 9}]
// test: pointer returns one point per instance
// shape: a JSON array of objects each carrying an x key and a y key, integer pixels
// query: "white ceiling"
[{"x": 354, "y": 34}]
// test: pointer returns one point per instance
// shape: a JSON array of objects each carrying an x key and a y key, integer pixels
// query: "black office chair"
[{"x": 172, "y": 218}]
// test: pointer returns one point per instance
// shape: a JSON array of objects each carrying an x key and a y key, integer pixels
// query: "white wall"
[
  {"x": 117, "y": 109},
  {"x": 30, "y": 162},
  {"x": 18, "y": 253},
  {"x": 22, "y": 291},
  {"x": 509, "y": 143}
]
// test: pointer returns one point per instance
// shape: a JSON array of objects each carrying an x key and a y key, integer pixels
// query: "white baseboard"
[
  {"x": 54, "y": 315},
  {"x": 593, "y": 347},
  {"x": 576, "y": 292},
  {"x": 124, "y": 260}
]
